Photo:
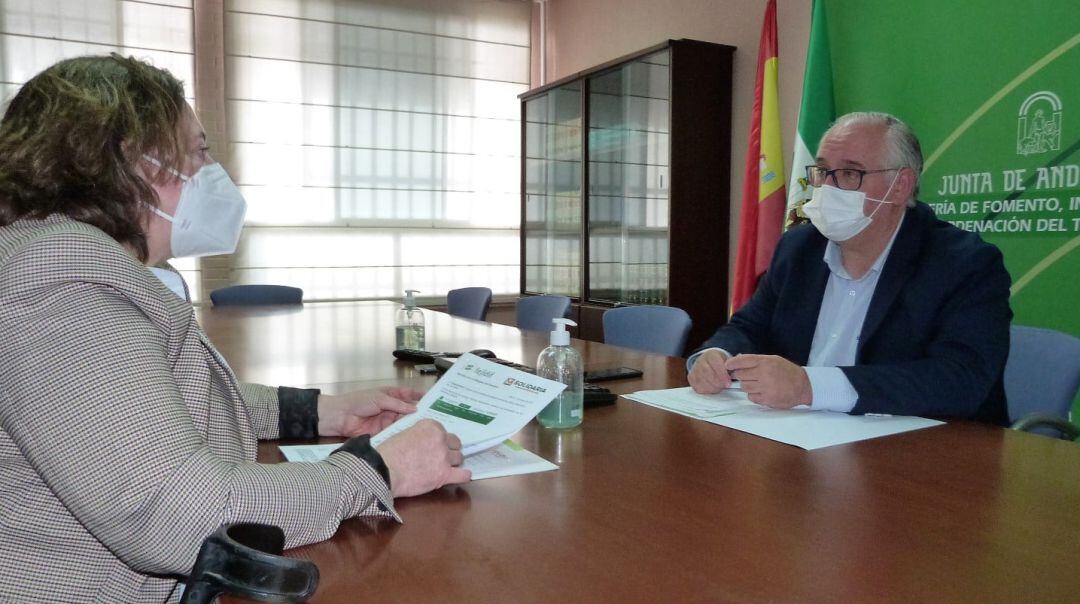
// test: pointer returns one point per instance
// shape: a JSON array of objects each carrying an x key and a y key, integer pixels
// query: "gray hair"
[{"x": 903, "y": 146}]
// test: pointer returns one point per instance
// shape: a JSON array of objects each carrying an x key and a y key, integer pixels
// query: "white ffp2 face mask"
[
  {"x": 209, "y": 215},
  {"x": 838, "y": 213}
]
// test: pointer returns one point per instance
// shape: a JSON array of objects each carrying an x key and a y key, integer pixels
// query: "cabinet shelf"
[{"x": 625, "y": 193}]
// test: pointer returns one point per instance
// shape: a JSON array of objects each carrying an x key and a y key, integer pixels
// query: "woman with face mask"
[{"x": 125, "y": 439}]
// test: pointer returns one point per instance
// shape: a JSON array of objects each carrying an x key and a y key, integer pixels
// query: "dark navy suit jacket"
[{"x": 936, "y": 334}]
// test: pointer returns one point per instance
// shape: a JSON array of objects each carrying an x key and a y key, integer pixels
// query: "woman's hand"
[
  {"x": 364, "y": 411},
  {"x": 423, "y": 458}
]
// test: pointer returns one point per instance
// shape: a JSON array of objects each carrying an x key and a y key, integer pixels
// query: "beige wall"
[
  {"x": 214, "y": 271},
  {"x": 583, "y": 33}
]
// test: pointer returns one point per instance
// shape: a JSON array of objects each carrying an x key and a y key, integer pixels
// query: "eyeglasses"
[{"x": 849, "y": 179}]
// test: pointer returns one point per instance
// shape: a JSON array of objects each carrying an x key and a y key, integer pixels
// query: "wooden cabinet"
[{"x": 625, "y": 192}]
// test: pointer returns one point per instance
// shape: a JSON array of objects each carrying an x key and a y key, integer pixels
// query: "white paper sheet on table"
[
  {"x": 507, "y": 459},
  {"x": 799, "y": 426}
]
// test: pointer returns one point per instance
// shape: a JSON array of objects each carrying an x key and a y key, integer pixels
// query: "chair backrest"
[
  {"x": 469, "y": 302},
  {"x": 1042, "y": 374},
  {"x": 1048, "y": 425},
  {"x": 250, "y": 295},
  {"x": 245, "y": 560},
  {"x": 536, "y": 312},
  {"x": 659, "y": 329}
]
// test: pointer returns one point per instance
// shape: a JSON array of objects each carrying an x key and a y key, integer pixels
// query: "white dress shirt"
[
  {"x": 172, "y": 280},
  {"x": 839, "y": 323}
]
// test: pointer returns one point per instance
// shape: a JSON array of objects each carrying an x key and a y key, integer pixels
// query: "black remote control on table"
[
  {"x": 420, "y": 356},
  {"x": 597, "y": 396},
  {"x": 427, "y": 356},
  {"x": 514, "y": 365},
  {"x": 613, "y": 373},
  {"x": 445, "y": 362}
]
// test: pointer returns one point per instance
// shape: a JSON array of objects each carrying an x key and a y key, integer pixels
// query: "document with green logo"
[{"x": 484, "y": 403}]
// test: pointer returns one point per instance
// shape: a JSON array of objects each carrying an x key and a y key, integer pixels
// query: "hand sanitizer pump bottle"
[
  {"x": 409, "y": 324},
  {"x": 560, "y": 362}
]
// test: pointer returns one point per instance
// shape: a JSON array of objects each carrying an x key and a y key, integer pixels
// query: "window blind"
[{"x": 377, "y": 143}]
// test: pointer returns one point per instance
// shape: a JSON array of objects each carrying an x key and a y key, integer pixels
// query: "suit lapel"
[{"x": 898, "y": 269}]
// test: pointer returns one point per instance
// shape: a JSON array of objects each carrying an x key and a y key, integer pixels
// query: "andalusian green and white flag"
[{"x": 817, "y": 110}]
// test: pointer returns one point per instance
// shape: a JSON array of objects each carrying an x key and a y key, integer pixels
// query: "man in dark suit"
[{"x": 878, "y": 306}]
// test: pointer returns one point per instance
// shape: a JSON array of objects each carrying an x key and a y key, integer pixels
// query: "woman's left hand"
[{"x": 364, "y": 411}]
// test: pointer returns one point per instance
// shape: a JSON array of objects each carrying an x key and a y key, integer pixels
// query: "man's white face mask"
[
  {"x": 838, "y": 213},
  {"x": 209, "y": 215}
]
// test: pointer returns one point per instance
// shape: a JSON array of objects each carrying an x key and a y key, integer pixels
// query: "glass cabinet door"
[
  {"x": 553, "y": 167},
  {"x": 628, "y": 147}
]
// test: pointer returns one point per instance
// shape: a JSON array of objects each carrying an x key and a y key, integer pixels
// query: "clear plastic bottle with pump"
[
  {"x": 561, "y": 363},
  {"x": 409, "y": 324}
]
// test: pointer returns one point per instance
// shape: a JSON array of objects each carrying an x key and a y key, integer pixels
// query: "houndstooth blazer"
[{"x": 125, "y": 439}]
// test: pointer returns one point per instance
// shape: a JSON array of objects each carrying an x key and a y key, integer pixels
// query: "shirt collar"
[{"x": 835, "y": 261}]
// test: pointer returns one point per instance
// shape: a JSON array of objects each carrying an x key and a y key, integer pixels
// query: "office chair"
[
  {"x": 246, "y": 560},
  {"x": 536, "y": 312},
  {"x": 1042, "y": 374},
  {"x": 251, "y": 295},
  {"x": 1048, "y": 425},
  {"x": 658, "y": 329},
  {"x": 469, "y": 302}
]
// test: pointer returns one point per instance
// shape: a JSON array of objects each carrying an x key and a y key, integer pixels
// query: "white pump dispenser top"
[
  {"x": 559, "y": 335},
  {"x": 410, "y": 299}
]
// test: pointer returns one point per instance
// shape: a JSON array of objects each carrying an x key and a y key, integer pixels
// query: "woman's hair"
[{"x": 72, "y": 136}]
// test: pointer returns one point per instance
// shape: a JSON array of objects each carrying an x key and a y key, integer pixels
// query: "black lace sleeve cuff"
[
  {"x": 360, "y": 446},
  {"x": 298, "y": 412}
]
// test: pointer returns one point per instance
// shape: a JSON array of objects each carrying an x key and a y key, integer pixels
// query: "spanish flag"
[{"x": 764, "y": 198}]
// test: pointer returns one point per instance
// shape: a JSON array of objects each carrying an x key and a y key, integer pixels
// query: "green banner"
[
  {"x": 992, "y": 88},
  {"x": 461, "y": 411}
]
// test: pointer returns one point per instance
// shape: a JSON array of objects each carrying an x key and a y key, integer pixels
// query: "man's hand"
[
  {"x": 709, "y": 374},
  {"x": 423, "y": 458},
  {"x": 771, "y": 380},
  {"x": 364, "y": 411}
]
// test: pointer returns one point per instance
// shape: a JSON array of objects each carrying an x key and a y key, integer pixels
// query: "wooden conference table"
[{"x": 652, "y": 506}]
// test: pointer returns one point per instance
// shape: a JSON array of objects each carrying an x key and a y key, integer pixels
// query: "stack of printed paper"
[{"x": 483, "y": 403}]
